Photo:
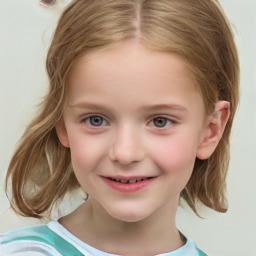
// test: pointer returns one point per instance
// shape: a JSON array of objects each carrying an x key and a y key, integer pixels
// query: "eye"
[
  {"x": 96, "y": 121},
  {"x": 160, "y": 122}
]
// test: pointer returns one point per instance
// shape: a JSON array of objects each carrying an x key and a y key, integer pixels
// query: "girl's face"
[{"x": 134, "y": 122}]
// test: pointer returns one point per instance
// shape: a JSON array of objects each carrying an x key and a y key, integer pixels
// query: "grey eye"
[
  {"x": 48, "y": 3},
  {"x": 95, "y": 121},
  {"x": 160, "y": 122}
]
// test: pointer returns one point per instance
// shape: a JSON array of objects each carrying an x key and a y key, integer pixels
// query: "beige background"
[{"x": 25, "y": 32}]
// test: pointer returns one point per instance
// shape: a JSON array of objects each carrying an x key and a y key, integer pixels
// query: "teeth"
[
  {"x": 132, "y": 181},
  {"x": 128, "y": 181}
]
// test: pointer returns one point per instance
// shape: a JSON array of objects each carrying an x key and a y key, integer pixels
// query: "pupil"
[
  {"x": 160, "y": 122},
  {"x": 96, "y": 120}
]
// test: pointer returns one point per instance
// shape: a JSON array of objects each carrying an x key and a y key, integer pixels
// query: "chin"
[
  {"x": 130, "y": 216},
  {"x": 130, "y": 219}
]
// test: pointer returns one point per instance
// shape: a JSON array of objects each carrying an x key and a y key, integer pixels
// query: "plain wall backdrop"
[{"x": 25, "y": 32}]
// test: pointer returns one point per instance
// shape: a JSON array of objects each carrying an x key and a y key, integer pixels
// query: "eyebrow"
[
  {"x": 153, "y": 107},
  {"x": 86, "y": 105},
  {"x": 165, "y": 106}
]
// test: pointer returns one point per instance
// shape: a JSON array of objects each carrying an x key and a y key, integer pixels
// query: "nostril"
[{"x": 48, "y": 3}]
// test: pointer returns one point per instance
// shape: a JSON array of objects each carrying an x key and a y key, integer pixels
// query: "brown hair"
[{"x": 198, "y": 31}]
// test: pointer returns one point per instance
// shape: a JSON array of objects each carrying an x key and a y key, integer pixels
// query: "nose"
[{"x": 127, "y": 146}]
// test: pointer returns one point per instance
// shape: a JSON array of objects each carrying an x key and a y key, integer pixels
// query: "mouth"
[
  {"x": 129, "y": 181},
  {"x": 128, "y": 184}
]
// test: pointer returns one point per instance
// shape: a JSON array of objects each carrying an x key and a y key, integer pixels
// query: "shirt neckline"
[{"x": 85, "y": 248}]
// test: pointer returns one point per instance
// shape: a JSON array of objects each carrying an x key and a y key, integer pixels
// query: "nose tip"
[
  {"x": 123, "y": 157},
  {"x": 126, "y": 149}
]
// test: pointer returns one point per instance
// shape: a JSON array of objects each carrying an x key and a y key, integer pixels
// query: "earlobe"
[
  {"x": 62, "y": 133},
  {"x": 213, "y": 130}
]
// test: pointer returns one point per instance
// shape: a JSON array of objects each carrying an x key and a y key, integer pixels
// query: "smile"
[
  {"x": 131, "y": 181},
  {"x": 128, "y": 185}
]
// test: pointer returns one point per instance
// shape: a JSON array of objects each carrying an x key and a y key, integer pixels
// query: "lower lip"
[{"x": 128, "y": 188}]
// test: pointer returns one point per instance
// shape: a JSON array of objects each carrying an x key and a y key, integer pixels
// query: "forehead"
[{"x": 129, "y": 70}]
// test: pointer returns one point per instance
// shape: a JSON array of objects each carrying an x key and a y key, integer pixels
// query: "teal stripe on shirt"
[
  {"x": 42, "y": 234},
  {"x": 201, "y": 253}
]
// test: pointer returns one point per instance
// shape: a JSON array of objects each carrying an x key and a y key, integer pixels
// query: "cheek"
[
  {"x": 85, "y": 153},
  {"x": 86, "y": 156},
  {"x": 176, "y": 156}
]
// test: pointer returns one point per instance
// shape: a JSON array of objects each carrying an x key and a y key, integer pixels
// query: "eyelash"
[{"x": 167, "y": 122}]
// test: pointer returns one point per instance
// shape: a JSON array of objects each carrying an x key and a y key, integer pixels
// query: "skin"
[{"x": 132, "y": 113}]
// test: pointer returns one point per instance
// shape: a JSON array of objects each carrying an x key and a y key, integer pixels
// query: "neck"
[{"x": 153, "y": 235}]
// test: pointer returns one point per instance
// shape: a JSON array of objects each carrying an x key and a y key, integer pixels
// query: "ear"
[
  {"x": 213, "y": 130},
  {"x": 62, "y": 133}
]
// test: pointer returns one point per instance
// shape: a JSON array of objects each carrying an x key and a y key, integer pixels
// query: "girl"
[{"x": 139, "y": 111}]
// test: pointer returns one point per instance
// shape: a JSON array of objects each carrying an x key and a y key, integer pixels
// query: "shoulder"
[
  {"x": 198, "y": 252},
  {"x": 35, "y": 240},
  {"x": 189, "y": 249},
  {"x": 201, "y": 253},
  {"x": 38, "y": 240}
]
